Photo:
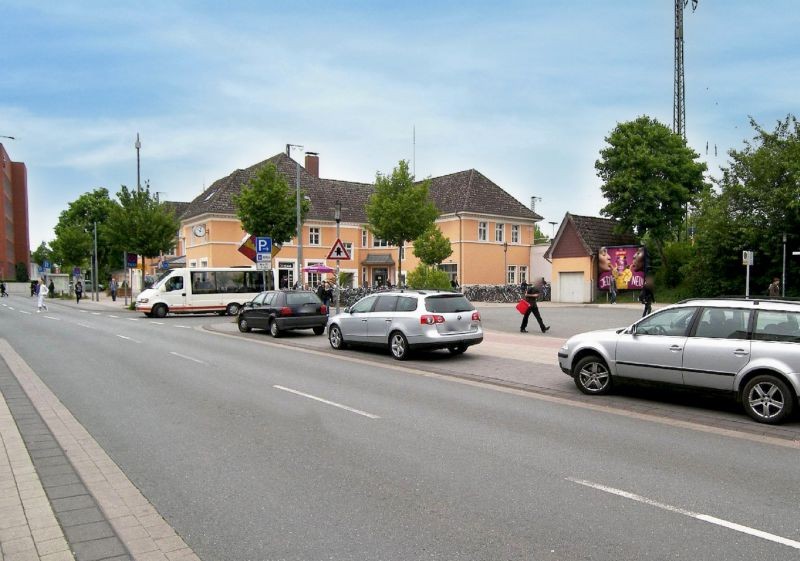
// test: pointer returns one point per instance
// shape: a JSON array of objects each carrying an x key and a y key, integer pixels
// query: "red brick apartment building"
[{"x": 14, "y": 240}]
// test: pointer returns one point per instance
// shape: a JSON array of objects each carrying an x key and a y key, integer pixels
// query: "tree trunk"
[{"x": 400, "y": 264}]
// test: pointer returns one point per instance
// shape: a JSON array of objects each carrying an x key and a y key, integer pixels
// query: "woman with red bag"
[{"x": 531, "y": 296}]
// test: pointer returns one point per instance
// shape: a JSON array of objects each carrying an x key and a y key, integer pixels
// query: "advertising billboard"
[{"x": 624, "y": 265}]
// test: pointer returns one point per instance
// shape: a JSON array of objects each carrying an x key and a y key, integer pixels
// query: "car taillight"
[
  {"x": 476, "y": 316},
  {"x": 431, "y": 319},
  {"x": 323, "y": 309},
  {"x": 286, "y": 311}
]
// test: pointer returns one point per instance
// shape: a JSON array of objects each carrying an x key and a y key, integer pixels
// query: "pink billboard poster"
[{"x": 623, "y": 265}]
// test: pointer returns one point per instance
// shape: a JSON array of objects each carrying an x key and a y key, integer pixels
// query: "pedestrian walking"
[
  {"x": 34, "y": 287},
  {"x": 78, "y": 292},
  {"x": 51, "y": 289},
  {"x": 774, "y": 289},
  {"x": 3, "y": 289},
  {"x": 113, "y": 288},
  {"x": 41, "y": 294},
  {"x": 612, "y": 291},
  {"x": 531, "y": 297},
  {"x": 647, "y": 296}
]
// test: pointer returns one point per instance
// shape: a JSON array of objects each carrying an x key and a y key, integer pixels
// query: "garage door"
[{"x": 570, "y": 287}]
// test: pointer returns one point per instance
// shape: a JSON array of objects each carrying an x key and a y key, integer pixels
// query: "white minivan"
[{"x": 223, "y": 290}]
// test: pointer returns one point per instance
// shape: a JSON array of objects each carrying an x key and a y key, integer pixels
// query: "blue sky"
[{"x": 525, "y": 92}]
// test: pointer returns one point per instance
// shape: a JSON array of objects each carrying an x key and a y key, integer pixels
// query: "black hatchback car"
[{"x": 284, "y": 310}]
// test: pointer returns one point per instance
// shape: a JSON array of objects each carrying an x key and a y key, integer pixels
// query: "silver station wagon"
[
  {"x": 408, "y": 320},
  {"x": 750, "y": 348}
]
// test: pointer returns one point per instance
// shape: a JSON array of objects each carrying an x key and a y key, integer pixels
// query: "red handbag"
[{"x": 522, "y": 306}]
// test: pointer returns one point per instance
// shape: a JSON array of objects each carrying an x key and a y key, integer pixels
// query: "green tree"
[
  {"x": 428, "y": 277},
  {"x": 41, "y": 254},
  {"x": 400, "y": 210},
  {"x": 650, "y": 176},
  {"x": 141, "y": 224},
  {"x": 74, "y": 241},
  {"x": 432, "y": 247},
  {"x": 21, "y": 272},
  {"x": 756, "y": 201},
  {"x": 267, "y": 206}
]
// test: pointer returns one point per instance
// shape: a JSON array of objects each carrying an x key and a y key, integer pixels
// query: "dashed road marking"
[
  {"x": 198, "y": 361},
  {"x": 133, "y": 319},
  {"x": 183, "y": 326},
  {"x": 696, "y": 515},
  {"x": 325, "y": 401},
  {"x": 23, "y": 311},
  {"x": 112, "y": 316},
  {"x": 157, "y": 322},
  {"x": 128, "y": 338},
  {"x": 51, "y": 317}
]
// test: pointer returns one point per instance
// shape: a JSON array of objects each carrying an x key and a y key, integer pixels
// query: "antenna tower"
[{"x": 679, "y": 98}]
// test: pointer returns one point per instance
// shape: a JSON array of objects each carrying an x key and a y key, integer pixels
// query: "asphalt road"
[{"x": 229, "y": 440}]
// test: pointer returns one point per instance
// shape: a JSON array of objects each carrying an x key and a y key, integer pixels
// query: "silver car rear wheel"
[
  {"x": 767, "y": 399},
  {"x": 592, "y": 376},
  {"x": 398, "y": 344}
]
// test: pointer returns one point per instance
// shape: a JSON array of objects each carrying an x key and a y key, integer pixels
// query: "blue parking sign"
[{"x": 263, "y": 244}]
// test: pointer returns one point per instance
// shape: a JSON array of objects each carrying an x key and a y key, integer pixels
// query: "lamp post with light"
[
  {"x": 505, "y": 262},
  {"x": 138, "y": 146},
  {"x": 337, "y": 215},
  {"x": 299, "y": 217}
]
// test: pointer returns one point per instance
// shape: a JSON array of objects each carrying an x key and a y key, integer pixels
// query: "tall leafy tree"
[
  {"x": 400, "y": 210},
  {"x": 756, "y": 202},
  {"x": 650, "y": 176},
  {"x": 267, "y": 206},
  {"x": 432, "y": 247},
  {"x": 41, "y": 254},
  {"x": 141, "y": 224},
  {"x": 74, "y": 231}
]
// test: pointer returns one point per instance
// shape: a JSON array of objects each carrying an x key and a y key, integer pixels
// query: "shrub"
[{"x": 425, "y": 277}]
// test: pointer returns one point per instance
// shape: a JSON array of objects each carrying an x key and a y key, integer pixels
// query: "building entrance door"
[
  {"x": 285, "y": 275},
  {"x": 379, "y": 276}
]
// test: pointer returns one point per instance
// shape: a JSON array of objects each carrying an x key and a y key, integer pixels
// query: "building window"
[
  {"x": 204, "y": 262},
  {"x": 515, "y": 233},
  {"x": 192, "y": 264},
  {"x": 523, "y": 273},
  {"x": 499, "y": 231},
  {"x": 314, "y": 279},
  {"x": 377, "y": 242},
  {"x": 482, "y": 231},
  {"x": 451, "y": 269},
  {"x": 363, "y": 237},
  {"x": 364, "y": 277},
  {"x": 313, "y": 236},
  {"x": 511, "y": 277},
  {"x": 349, "y": 248}
]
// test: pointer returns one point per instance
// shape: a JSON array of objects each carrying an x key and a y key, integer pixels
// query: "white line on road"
[
  {"x": 133, "y": 319},
  {"x": 86, "y": 325},
  {"x": 84, "y": 311},
  {"x": 157, "y": 322},
  {"x": 339, "y": 405},
  {"x": 95, "y": 313},
  {"x": 198, "y": 361},
  {"x": 699, "y": 516},
  {"x": 23, "y": 311},
  {"x": 112, "y": 316},
  {"x": 128, "y": 338},
  {"x": 183, "y": 326},
  {"x": 51, "y": 317}
]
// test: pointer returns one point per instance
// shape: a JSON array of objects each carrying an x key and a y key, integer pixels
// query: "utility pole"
[
  {"x": 679, "y": 98},
  {"x": 299, "y": 217},
  {"x": 138, "y": 146}
]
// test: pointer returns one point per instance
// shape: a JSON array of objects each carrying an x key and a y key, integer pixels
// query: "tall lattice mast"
[{"x": 679, "y": 98}]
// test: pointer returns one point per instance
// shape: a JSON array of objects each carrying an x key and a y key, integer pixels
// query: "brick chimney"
[{"x": 312, "y": 163}]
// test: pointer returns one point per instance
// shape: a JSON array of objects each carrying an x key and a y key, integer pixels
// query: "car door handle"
[
  {"x": 389, "y": 320},
  {"x": 363, "y": 321},
  {"x": 740, "y": 352},
  {"x": 676, "y": 348}
]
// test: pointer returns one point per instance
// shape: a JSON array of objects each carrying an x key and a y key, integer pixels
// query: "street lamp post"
[
  {"x": 552, "y": 230},
  {"x": 783, "y": 280},
  {"x": 337, "y": 215},
  {"x": 95, "y": 294},
  {"x": 299, "y": 217},
  {"x": 505, "y": 262}
]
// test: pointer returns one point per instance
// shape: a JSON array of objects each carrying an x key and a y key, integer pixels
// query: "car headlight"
[
  {"x": 142, "y": 300},
  {"x": 564, "y": 348}
]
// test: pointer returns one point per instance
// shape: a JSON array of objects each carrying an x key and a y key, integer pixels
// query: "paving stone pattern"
[{"x": 88, "y": 533}]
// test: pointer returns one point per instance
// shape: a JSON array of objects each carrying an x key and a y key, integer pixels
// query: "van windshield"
[{"x": 161, "y": 279}]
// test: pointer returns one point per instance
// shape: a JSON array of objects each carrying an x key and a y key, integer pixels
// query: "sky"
[{"x": 524, "y": 92}]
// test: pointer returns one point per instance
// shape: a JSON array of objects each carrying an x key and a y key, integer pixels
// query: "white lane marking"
[
  {"x": 112, "y": 316},
  {"x": 51, "y": 317},
  {"x": 339, "y": 405},
  {"x": 133, "y": 319},
  {"x": 86, "y": 325},
  {"x": 95, "y": 313},
  {"x": 23, "y": 311},
  {"x": 84, "y": 312},
  {"x": 198, "y": 361},
  {"x": 11, "y": 308},
  {"x": 183, "y": 326},
  {"x": 128, "y": 338},
  {"x": 157, "y": 322},
  {"x": 697, "y": 515}
]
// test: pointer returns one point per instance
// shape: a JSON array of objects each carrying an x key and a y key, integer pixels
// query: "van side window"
[{"x": 175, "y": 283}]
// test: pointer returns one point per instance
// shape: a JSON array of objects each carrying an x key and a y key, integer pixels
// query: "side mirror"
[{"x": 346, "y": 310}]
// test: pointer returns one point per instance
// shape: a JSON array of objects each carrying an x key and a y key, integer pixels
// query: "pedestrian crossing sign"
[{"x": 338, "y": 252}]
